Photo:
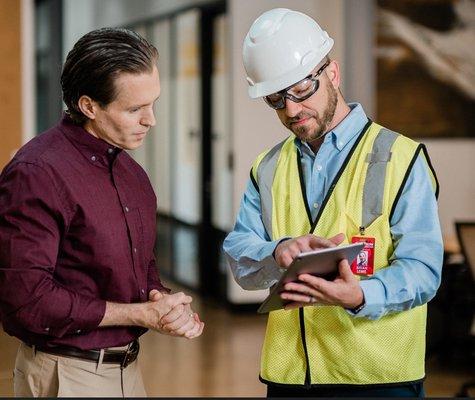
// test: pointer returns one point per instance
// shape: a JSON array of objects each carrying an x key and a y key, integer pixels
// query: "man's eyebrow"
[{"x": 142, "y": 105}]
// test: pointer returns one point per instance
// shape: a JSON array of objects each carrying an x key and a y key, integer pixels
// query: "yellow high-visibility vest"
[{"x": 325, "y": 345}]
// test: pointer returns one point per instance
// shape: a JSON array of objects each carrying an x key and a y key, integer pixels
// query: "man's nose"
[
  {"x": 291, "y": 108},
  {"x": 149, "y": 119}
]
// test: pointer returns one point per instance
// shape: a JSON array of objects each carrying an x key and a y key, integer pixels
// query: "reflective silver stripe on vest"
[
  {"x": 265, "y": 178},
  {"x": 373, "y": 191}
]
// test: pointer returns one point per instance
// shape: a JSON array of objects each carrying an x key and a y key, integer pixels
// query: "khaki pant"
[{"x": 48, "y": 375}]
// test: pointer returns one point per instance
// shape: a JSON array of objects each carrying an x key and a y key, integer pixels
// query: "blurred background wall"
[{"x": 208, "y": 131}]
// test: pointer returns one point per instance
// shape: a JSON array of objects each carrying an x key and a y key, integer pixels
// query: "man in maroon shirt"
[{"x": 78, "y": 279}]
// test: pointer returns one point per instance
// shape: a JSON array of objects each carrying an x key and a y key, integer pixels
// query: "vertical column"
[
  {"x": 360, "y": 72},
  {"x": 10, "y": 71}
]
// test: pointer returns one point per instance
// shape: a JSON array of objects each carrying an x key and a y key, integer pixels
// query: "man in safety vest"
[{"x": 340, "y": 178}]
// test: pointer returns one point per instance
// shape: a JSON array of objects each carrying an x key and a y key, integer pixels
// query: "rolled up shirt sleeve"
[
  {"x": 32, "y": 221},
  {"x": 248, "y": 248}
]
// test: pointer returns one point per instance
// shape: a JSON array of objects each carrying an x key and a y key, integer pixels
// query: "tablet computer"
[{"x": 322, "y": 263}]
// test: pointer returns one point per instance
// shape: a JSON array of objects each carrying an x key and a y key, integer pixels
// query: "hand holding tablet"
[{"x": 320, "y": 263}]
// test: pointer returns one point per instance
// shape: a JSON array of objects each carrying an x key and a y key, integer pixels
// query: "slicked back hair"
[{"x": 96, "y": 60}]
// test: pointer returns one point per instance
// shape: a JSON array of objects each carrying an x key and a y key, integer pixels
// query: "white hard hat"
[{"x": 281, "y": 48}]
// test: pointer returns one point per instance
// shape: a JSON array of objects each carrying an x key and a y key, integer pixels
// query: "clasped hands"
[
  {"x": 309, "y": 290},
  {"x": 173, "y": 315}
]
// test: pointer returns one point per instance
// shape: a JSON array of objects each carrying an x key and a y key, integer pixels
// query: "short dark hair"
[{"x": 96, "y": 60}]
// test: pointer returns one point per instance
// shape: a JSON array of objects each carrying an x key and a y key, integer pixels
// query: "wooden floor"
[{"x": 223, "y": 362}]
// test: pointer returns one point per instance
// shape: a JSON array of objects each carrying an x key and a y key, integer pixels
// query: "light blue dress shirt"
[{"x": 416, "y": 264}]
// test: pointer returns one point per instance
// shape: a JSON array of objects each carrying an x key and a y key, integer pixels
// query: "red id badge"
[{"x": 364, "y": 262}]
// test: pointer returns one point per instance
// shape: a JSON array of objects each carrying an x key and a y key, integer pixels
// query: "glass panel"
[
  {"x": 140, "y": 154},
  {"x": 159, "y": 152},
  {"x": 43, "y": 21},
  {"x": 221, "y": 195},
  {"x": 186, "y": 159},
  {"x": 48, "y": 63},
  {"x": 185, "y": 252},
  {"x": 164, "y": 246}
]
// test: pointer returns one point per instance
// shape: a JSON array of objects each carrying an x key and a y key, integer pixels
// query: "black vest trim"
[
  {"x": 429, "y": 163},
  {"x": 303, "y": 187},
  {"x": 338, "y": 175},
  {"x": 420, "y": 148},
  {"x": 253, "y": 180},
  {"x": 339, "y": 385},
  {"x": 308, "y": 381}
]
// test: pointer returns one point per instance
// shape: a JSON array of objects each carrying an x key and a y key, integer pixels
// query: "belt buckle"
[
  {"x": 130, "y": 356},
  {"x": 126, "y": 360}
]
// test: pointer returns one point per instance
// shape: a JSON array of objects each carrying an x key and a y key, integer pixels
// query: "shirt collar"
[
  {"x": 351, "y": 126},
  {"x": 97, "y": 151},
  {"x": 344, "y": 132}
]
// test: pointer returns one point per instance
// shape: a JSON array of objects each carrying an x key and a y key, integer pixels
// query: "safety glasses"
[{"x": 298, "y": 92}]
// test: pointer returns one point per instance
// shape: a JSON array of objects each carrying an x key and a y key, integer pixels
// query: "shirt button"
[
  {"x": 135, "y": 249},
  {"x": 78, "y": 331},
  {"x": 126, "y": 209},
  {"x": 46, "y": 329},
  {"x": 319, "y": 167},
  {"x": 110, "y": 151},
  {"x": 340, "y": 143},
  {"x": 315, "y": 205},
  {"x": 93, "y": 158},
  {"x": 143, "y": 291}
]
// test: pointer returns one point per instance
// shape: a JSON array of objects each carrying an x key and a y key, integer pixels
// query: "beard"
[{"x": 304, "y": 133}]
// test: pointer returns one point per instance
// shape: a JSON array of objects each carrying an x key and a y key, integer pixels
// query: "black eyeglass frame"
[{"x": 280, "y": 103}]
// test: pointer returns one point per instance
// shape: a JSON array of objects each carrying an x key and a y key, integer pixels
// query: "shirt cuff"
[
  {"x": 373, "y": 291},
  {"x": 271, "y": 270},
  {"x": 270, "y": 261},
  {"x": 92, "y": 313},
  {"x": 89, "y": 316}
]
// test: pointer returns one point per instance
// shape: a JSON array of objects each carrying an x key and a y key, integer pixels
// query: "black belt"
[{"x": 121, "y": 357}]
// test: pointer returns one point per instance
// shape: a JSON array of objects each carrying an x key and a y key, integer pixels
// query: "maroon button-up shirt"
[{"x": 77, "y": 229}]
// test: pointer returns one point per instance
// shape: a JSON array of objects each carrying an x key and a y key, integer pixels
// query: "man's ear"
[
  {"x": 333, "y": 73},
  {"x": 88, "y": 106}
]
